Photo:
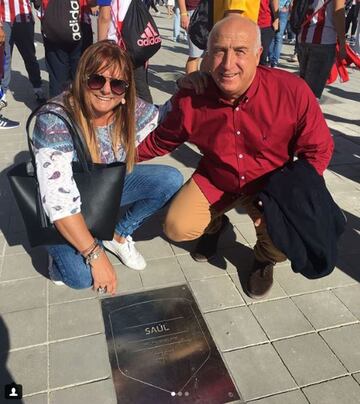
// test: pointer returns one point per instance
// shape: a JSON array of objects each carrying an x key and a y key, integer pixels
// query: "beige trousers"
[{"x": 190, "y": 215}]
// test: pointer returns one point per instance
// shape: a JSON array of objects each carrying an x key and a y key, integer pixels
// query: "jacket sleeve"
[
  {"x": 168, "y": 135},
  {"x": 313, "y": 141}
]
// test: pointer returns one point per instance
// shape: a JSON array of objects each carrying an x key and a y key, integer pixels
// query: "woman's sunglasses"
[{"x": 97, "y": 82}]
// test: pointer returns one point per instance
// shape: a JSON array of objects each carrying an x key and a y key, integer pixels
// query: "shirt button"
[
  {"x": 238, "y": 132},
  {"x": 241, "y": 156},
  {"x": 242, "y": 177},
  {"x": 237, "y": 109}
]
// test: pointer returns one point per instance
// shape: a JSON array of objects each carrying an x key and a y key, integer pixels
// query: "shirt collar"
[{"x": 214, "y": 91}]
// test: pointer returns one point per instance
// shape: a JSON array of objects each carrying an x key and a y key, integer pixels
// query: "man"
[
  {"x": 18, "y": 28},
  {"x": 249, "y": 122},
  {"x": 317, "y": 42}
]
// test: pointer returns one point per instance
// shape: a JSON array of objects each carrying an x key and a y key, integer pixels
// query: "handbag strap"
[
  {"x": 309, "y": 17},
  {"x": 79, "y": 144}
]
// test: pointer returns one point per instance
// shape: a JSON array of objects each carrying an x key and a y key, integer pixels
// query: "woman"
[{"x": 102, "y": 101}]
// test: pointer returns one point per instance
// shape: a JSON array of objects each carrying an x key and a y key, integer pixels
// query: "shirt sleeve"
[
  {"x": 168, "y": 135},
  {"x": 313, "y": 139},
  {"x": 54, "y": 154},
  {"x": 104, "y": 2}
]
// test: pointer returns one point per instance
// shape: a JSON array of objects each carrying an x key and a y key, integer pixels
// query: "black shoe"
[
  {"x": 207, "y": 245},
  {"x": 260, "y": 280}
]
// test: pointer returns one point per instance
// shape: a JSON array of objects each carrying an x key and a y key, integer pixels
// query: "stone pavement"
[{"x": 299, "y": 345}]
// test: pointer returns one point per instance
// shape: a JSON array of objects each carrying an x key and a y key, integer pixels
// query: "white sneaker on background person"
[
  {"x": 52, "y": 275},
  {"x": 127, "y": 253}
]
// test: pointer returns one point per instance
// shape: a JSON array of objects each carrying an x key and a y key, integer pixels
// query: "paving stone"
[
  {"x": 127, "y": 279},
  {"x": 194, "y": 270},
  {"x": 68, "y": 320},
  {"x": 94, "y": 393},
  {"x": 37, "y": 399},
  {"x": 78, "y": 360},
  {"x": 27, "y": 367},
  {"x": 323, "y": 309},
  {"x": 24, "y": 328},
  {"x": 247, "y": 230},
  {"x": 291, "y": 397},
  {"x": 343, "y": 390},
  {"x": 356, "y": 376},
  {"x": 216, "y": 293},
  {"x": 22, "y": 295},
  {"x": 275, "y": 292},
  {"x": 294, "y": 283},
  {"x": 61, "y": 294},
  {"x": 280, "y": 318},
  {"x": 23, "y": 266},
  {"x": 162, "y": 272},
  {"x": 155, "y": 248},
  {"x": 258, "y": 371},
  {"x": 19, "y": 246},
  {"x": 309, "y": 359},
  {"x": 2, "y": 244},
  {"x": 345, "y": 342},
  {"x": 235, "y": 328}
]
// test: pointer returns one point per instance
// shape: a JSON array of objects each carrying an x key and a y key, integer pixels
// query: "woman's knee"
[{"x": 173, "y": 180}]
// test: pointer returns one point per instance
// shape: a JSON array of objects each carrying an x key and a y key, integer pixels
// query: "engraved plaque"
[{"x": 161, "y": 350}]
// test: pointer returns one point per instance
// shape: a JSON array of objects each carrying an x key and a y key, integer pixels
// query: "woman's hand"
[
  {"x": 197, "y": 81},
  {"x": 104, "y": 274}
]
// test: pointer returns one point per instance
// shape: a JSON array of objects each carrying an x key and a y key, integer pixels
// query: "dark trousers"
[
  {"x": 141, "y": 84},
  {"x": 351, "y": 18},
  {"x": 62, "y": 60},
  {"x": 21, "y": 34},
  {"x": 267, "y": 35}
]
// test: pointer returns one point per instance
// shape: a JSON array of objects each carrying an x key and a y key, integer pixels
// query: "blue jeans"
[
  {"x": 277, "y": 42},
  {"x": 146, "y": 189}
]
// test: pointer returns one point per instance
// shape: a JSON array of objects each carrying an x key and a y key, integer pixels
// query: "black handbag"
[{"x": 100, "y": 187}]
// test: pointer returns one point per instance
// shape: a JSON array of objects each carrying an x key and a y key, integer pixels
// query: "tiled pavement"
[{"x": 299, "y": 345}]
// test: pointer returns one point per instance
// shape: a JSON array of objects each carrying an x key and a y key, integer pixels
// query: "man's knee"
[{"x": 177, "y": 230}]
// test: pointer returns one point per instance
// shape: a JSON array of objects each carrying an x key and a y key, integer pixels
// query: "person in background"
[
  {"x": 277, "y": 42},
  {"x": 351, "y": 19},
  {"x": 18, "y": 27},
  {"x": 187, "y": 8},
  {"x": 5, "y": 123},
  {"x": 268, "y": 21},
  {"x": 317, "y": 43},
  {"x": 176, "y": 25},
  {"x": 107, "y": 29},
  {"x": 62, "y": 59},
  {"x": 112, "y": 122}
]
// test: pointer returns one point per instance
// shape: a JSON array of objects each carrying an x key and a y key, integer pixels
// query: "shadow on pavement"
[
  {"x": 5, "y": 376},
  {"x": 12, "y": 225}
]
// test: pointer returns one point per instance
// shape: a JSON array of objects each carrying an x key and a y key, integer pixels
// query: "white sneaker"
[
  {"x": 127, "y": 253},
  {"x": 51, "y": 272}
]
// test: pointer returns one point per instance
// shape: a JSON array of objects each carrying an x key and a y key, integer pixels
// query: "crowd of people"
[{"x": 221, "y": 107}]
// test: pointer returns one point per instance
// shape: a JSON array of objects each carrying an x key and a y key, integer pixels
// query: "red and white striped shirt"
[
  {"x": 321, "y": 28},
  {"x": 15, "y": 11}
]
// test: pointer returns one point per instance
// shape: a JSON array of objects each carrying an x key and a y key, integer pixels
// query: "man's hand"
[
  {"x": 2, "y": 35},
  {"x": 275, "y": 25},
  {"x": 104, "y": 274},
  {"x": 197, "y": 81}
]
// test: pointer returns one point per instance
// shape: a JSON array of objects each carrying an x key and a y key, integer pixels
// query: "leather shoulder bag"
[{"x": 100, "y": 187}]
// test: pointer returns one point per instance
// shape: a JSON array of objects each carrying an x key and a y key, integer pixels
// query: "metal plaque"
[{"x": 161, "y": 350}]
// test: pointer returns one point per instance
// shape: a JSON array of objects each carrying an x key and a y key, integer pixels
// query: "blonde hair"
[{"x": 98, "y": 57}]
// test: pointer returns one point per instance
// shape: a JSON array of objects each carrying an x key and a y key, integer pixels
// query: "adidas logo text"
[{"x": 149, "y": 37}]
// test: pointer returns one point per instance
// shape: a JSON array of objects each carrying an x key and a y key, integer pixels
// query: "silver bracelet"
[{"x": 94, "y": 255}]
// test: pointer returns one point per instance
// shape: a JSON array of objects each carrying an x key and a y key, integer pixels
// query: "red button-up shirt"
[{"x": 277, "y": 118}]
